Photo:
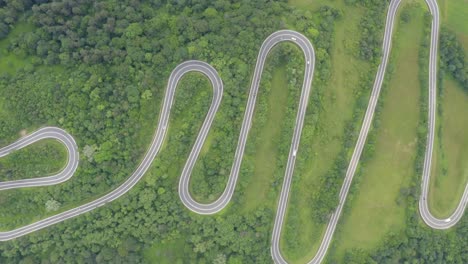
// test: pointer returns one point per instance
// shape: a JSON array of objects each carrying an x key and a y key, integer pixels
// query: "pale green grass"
[
  {"x": 314, "y": 4},
  {"x": 266, "y": 154},
  {"x": 165, "y": 253},
  {"x": 450, "y": 168},
  {"x": 43, "y": 158},
  {"x": 375, "y": 210},
  {"x": 302, "y": 235},
  {"x": 10, "y": 62},
  {"x": 453, "y": 15}
]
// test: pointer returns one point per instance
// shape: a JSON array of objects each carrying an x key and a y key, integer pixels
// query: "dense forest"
[
  {"x": 453, "y": 57},
  {"x": 99, "y": 68}
]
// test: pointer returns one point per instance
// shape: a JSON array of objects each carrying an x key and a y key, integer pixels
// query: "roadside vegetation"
[
  {"x": 99, "y": 69},
  {"x": 450, "y": 169},
  {"x": 375, "y": 207},
  {"x": 265, "y": 149},
  {"x": 453, "y": 15},
  {"x": 413, "y": 240},
  {"x": 328, "y": 135},
  {"x": 43, "y": 158},
  {"x": 102, "y": 80}
]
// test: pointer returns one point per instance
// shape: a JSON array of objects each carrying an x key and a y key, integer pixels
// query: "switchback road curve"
[
  {"x": 223, "y": 200},
  {"x": 427, "y": 217},
  {"x": 44, "y": 133}
]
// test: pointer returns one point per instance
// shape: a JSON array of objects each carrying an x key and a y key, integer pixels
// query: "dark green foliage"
[
  {"x": 372, "y": 25},
  {"x": 98, "y": 69},
  {"x": 324, "y": 203},
  {"x": 50, "y": 157},
  {"x": 417, "y": 243},
  {"x": 452, "y": 57},
  {"x": 10, "y": 11}
]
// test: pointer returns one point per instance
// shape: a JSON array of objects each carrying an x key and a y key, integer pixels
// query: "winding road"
[
  {"x": 44, "y": 133},
  {"x": 197, "y": 66}
]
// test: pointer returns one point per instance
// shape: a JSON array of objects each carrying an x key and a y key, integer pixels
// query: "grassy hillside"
[
  {"x": 302, "y": 233},
  {"x": 9, "y": 62},
  {"x": 375, "y": 209},
  {"x": 100, "y": 71},
  {"x": 450, "y": 169},
  {"x": 266, "y": 152},
  {"x": 453, "y": 14},
  {"x": 40, "y": 159}
]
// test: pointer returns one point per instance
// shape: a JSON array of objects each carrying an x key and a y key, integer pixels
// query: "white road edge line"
[{"x": 223, "y": 200}]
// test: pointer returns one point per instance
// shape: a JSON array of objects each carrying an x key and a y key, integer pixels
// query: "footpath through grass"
[
  {"x": 43, "y": 158},
  {"x": 165, "y": 253},
  {"x": 454, "y": 14},
  {"x": 375, "y": 208}
]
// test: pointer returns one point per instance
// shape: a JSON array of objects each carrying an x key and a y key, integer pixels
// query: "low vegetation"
[
  {"x": 450, "y": 172},
  {"x": 98, "y": 72},
  {"x": 387, "y": 163},
  {"x": 415, "y": 241},
  {"x": 99, "y": 69},
  {"x": 41, "y": 159}
]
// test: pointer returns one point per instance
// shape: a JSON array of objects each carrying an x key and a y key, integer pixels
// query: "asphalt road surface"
[
  {"x": 44, "y": 133},
  {"x": 223, "y": 200},
  {"x": 154, "y": 148},
  {"x": 428, "y": 218},
  {"x": 197, "y": 66}
]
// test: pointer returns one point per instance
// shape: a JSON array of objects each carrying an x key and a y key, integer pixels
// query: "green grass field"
[
  {"x": 43, "y": 158},
  {"x": 450, "y": 169},
  {"x": 302, "y": 235},
  {"x": 314, "y": 4},
  {"x": 453, "y": 15},
  {"x": 265, "y": 158},
  {"x": 375, "y": 210},
  {"x": 40, "y": 159}
]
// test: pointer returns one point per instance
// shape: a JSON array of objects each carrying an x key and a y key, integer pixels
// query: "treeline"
[
  {"x": 38, "y": 160},
  {"x": 10, "y": 11},
  {"x": 326, "y": 201},
  {"x": 417, "y": 242},
  {"x": 372, "y": 25},
  {"x": 98, "y": 69},
  {"x": 452, "y": 57}
]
